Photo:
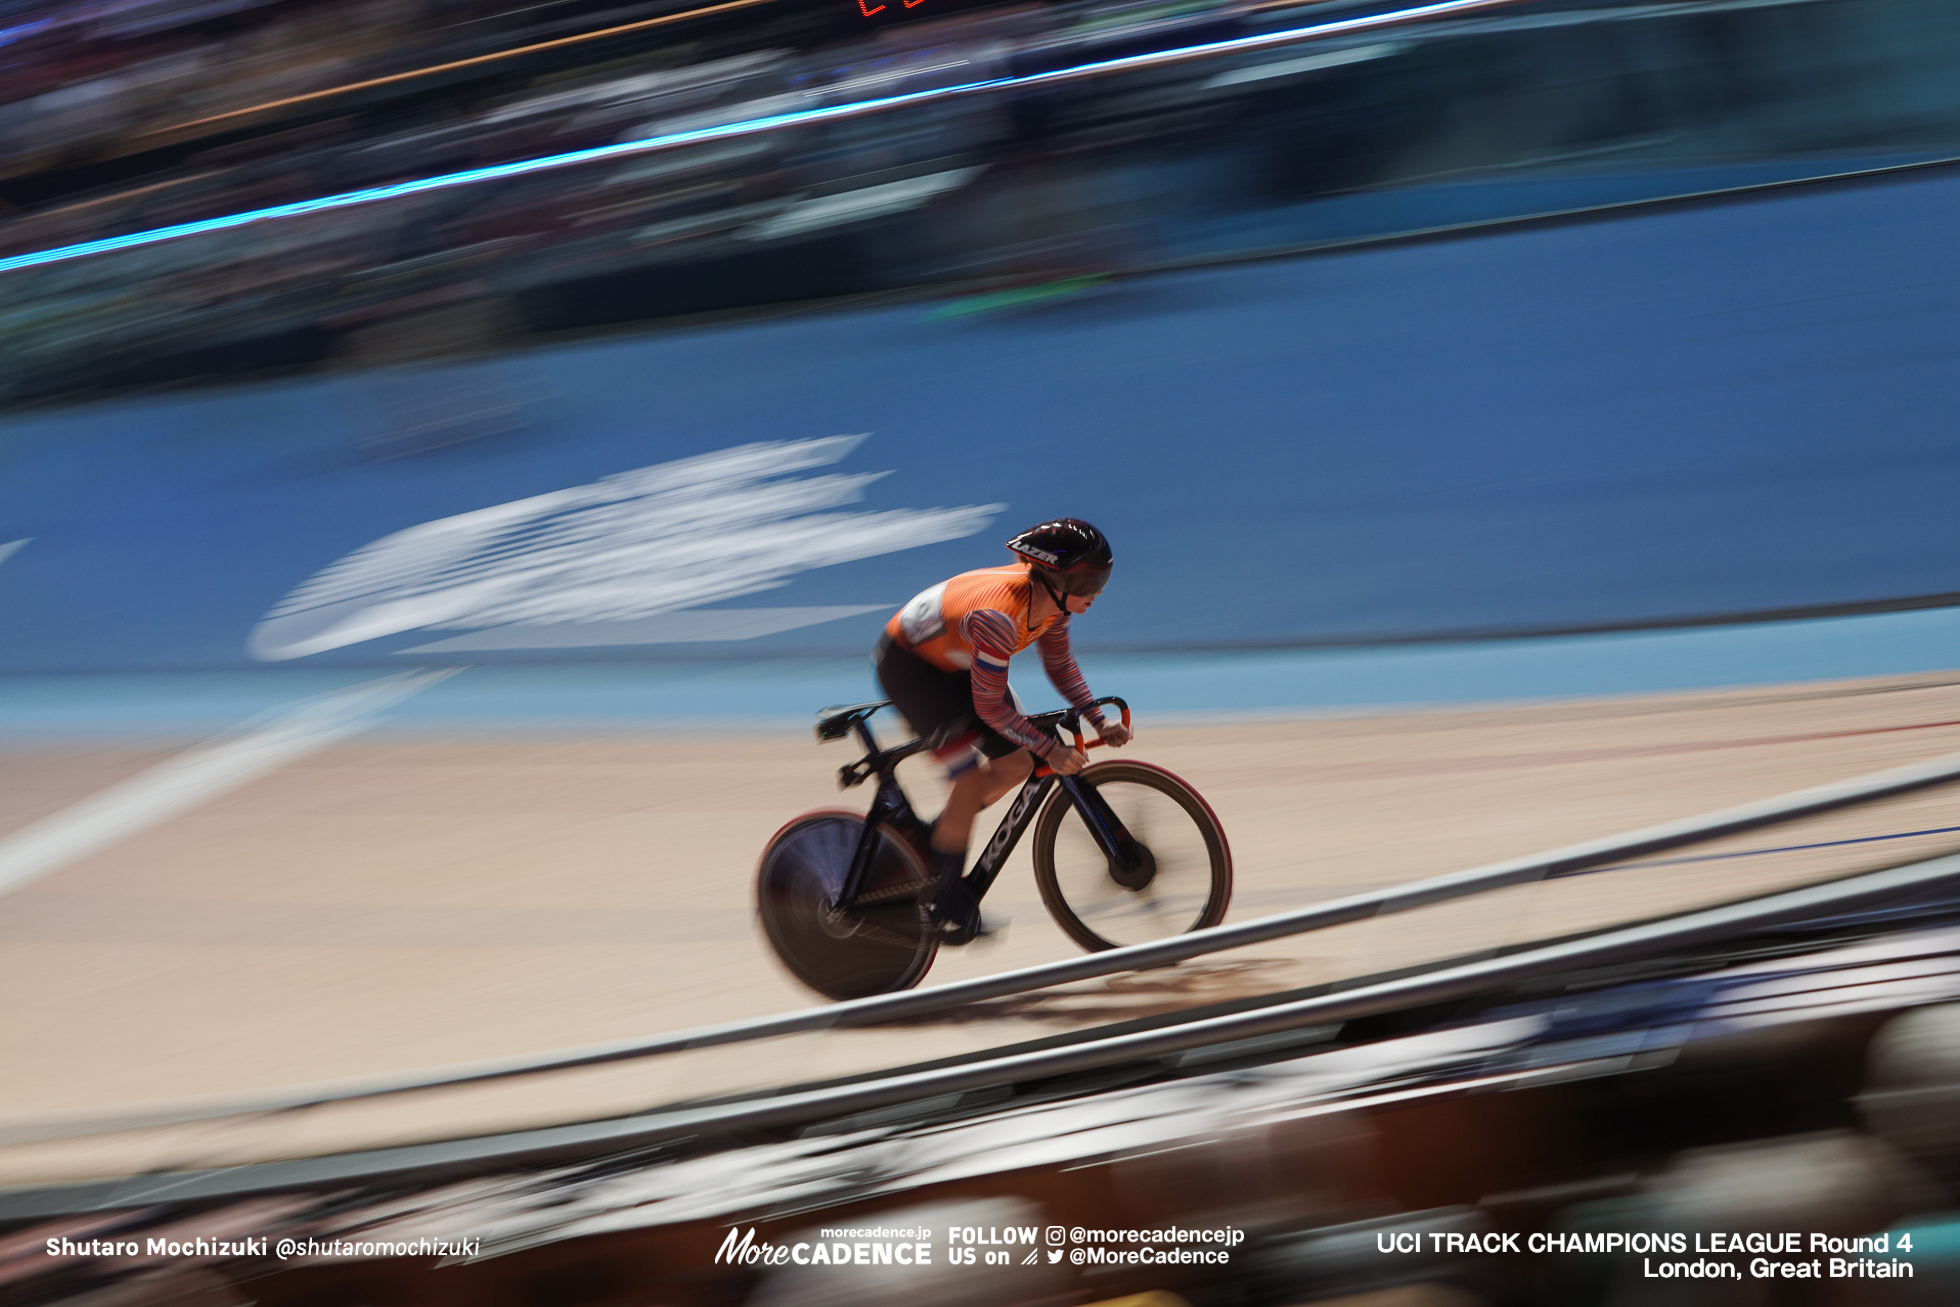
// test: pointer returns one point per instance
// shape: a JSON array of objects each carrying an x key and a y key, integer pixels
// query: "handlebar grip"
[{"x": 1073, "y": 723}]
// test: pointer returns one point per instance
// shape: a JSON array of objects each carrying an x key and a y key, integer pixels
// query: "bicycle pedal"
[{"x": 954, "y": 934}]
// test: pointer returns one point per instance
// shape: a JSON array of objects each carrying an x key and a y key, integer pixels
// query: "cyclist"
[{"x": 943, "y": 663}]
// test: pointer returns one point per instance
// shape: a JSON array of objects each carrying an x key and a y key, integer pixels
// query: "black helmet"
[{"x": 1068, "y": 555}]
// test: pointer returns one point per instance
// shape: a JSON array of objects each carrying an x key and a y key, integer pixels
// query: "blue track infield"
[{"x": 784, "y": 694}]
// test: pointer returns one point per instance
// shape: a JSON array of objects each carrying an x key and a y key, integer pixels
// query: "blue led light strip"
[{"x": 750, "y": 127}]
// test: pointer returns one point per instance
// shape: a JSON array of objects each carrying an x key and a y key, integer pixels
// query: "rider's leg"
[
  {"x": 954, "y": 905},
  {"x": 939, "y": 705},
  {"x": 973, "y": 789}
]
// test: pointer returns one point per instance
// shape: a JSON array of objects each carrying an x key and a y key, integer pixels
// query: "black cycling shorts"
[{"x": 938, "y": 704}]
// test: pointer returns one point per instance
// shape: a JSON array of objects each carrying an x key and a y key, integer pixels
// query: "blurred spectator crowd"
[
  {"x": 121, "y": 116},
  {"x": 125, "y": 116}
]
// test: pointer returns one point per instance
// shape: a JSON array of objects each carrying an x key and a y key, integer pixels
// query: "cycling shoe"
[{"x": 955, "y": 913}]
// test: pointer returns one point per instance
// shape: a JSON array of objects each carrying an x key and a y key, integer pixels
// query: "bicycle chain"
[{"x": 893, "y": 893}]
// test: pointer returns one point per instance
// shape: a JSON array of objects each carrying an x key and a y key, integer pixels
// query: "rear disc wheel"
[{"x": 877, "y": 948}]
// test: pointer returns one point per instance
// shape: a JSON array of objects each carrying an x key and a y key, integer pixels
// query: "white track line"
[{"x": 261, "y": 745}]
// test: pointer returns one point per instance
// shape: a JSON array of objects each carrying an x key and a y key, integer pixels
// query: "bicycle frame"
[
  {"x": 889, "y": 806},
  {"x": 1104, "y": 827}
]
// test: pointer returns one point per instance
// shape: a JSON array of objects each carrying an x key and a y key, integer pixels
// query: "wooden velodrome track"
[{"x": 396, "y": 903}]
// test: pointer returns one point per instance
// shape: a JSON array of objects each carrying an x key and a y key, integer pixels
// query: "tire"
[
  {"x": 1189, "y": 881},
  {"x": 874, "y": 950}
]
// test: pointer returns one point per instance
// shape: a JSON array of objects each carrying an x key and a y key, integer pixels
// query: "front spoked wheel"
[
  {"x": 877, "y": 948},
  {"x": 1175, "y": 874}
]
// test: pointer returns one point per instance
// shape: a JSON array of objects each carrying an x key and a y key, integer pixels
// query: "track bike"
[{"x": 843, "y": 896}]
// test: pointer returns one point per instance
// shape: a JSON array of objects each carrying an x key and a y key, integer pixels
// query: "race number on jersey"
[{"x": 924, "y": 618}]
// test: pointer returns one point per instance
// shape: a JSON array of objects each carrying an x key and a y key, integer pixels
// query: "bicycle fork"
[{"x": 1130, "y": 862}]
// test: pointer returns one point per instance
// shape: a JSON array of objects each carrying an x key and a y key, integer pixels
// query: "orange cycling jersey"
[
  {"x": 935, "y": 627},
  {"x": 976, "y": 622}
]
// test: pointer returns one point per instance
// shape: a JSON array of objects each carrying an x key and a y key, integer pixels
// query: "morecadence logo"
[{"x": 623, "y": 560}]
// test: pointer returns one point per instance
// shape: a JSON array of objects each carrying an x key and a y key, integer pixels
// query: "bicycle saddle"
[{"x": 836, "y": 721}]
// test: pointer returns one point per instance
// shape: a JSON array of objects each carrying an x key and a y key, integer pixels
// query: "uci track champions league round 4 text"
[{"x": 1676, "y": 1255}]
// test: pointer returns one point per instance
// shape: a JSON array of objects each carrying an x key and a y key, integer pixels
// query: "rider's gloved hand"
[
  {"x": 1114, "y": 734},
  {"x": 1065, "y": 761}
]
